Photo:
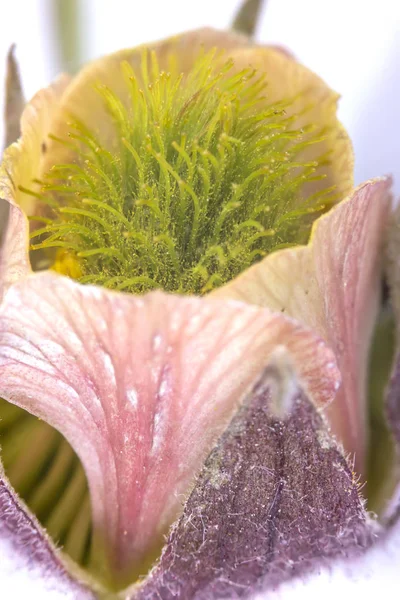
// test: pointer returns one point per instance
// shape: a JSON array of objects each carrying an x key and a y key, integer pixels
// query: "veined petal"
[
  {"x": 141, "y": 388},
  {"x": 30, "y": 566},
  {"x": 275, "y": 498},
  {"x": 333, "y": 286}
]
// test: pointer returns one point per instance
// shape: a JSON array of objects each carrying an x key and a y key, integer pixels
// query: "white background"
[{"x": 353, "y": 44}]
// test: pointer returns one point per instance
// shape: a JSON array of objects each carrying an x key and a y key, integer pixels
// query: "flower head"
[{"x": 196, "y": 167}]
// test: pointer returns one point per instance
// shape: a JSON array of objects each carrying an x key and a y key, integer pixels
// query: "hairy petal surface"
[
  {"x": 378, "y": 568},
  {"x": 30, "y": 566},
  {"x": 275, "y": 498},
  {"x": 367, "y": 575},
  {"x": 141, "y": 388},
  {"x": 333, "y": 286}
]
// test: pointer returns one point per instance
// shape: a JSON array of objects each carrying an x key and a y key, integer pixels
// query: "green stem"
[{"x": 67, "y": 21}]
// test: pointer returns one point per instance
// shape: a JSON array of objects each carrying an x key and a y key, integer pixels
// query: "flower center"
[{"x": 203, "y": 178}]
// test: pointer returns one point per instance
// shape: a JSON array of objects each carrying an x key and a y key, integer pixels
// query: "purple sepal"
[
  {"x": 275, "y": 499},
  {"x": 29, "y": 565}
]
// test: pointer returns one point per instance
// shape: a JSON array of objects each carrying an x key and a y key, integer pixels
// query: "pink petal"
[
  {"x": 14, "y": 252},
  {"x": 333, "y": 286},
  {"x": 30, "y": 567},
  {"x": 142, "y": 388}
]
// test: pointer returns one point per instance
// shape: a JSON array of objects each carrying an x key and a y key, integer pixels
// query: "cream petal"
[
  {"x": 313, "y": 102},
  {"x": 22, "y": 160},
  {"x": 20, "y": 167},
  {"x": 141, "y": 387},
  {"x": 333, "y": 286},
  {"x": 83, "y": 101}
]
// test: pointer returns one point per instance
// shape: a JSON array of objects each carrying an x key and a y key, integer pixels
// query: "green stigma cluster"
[{"x": 203, "y": 180}]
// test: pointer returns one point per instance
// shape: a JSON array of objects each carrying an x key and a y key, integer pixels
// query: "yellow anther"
[{"x": 66, "y": 263}]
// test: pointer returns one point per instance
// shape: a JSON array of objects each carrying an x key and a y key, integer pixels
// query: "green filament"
[{"x": 203, "y": 179}]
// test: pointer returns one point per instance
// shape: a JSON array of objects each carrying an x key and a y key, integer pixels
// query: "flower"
[{"x": 220, "y": 404}]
